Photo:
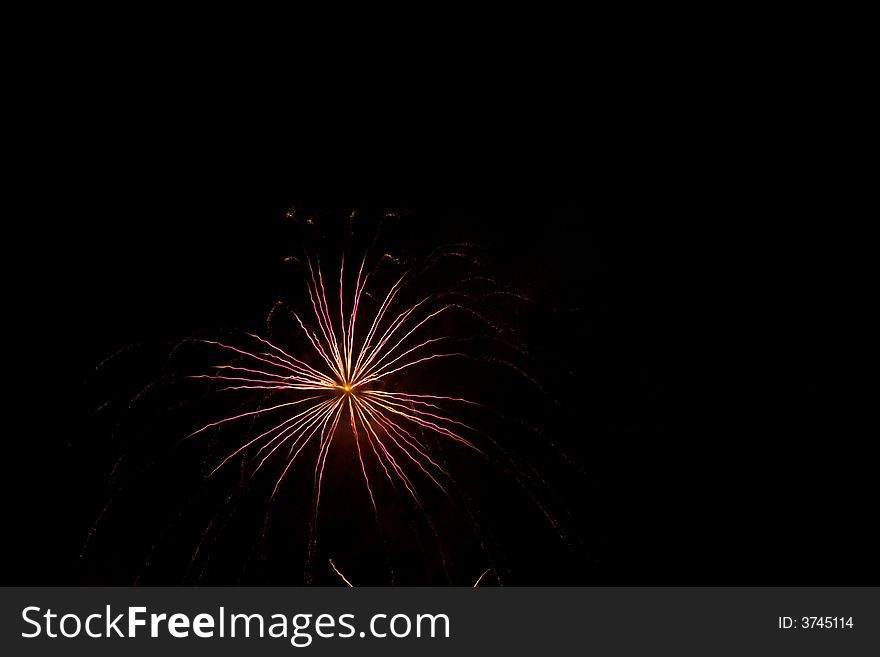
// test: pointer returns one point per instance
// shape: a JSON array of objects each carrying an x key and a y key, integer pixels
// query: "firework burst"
[
  {"x": 354, "y": 355},
  {"x": 382, "y": 360}
]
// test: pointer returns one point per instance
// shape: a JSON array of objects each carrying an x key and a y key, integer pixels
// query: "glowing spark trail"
[
  {"x": 480, "y": 578},
  {"x": 341, "y": 576},
  {"x": 386, "y": 427}
]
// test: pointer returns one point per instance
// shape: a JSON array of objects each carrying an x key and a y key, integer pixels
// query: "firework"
[
  {"x": 354, "y": 355},
  {"x": 373, "y": 362}
]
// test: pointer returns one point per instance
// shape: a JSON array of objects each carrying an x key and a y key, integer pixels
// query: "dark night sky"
[{"x": 707, "y": 441}]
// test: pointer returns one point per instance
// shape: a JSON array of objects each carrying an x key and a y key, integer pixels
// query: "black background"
[{"x": 714, "y": 448}]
